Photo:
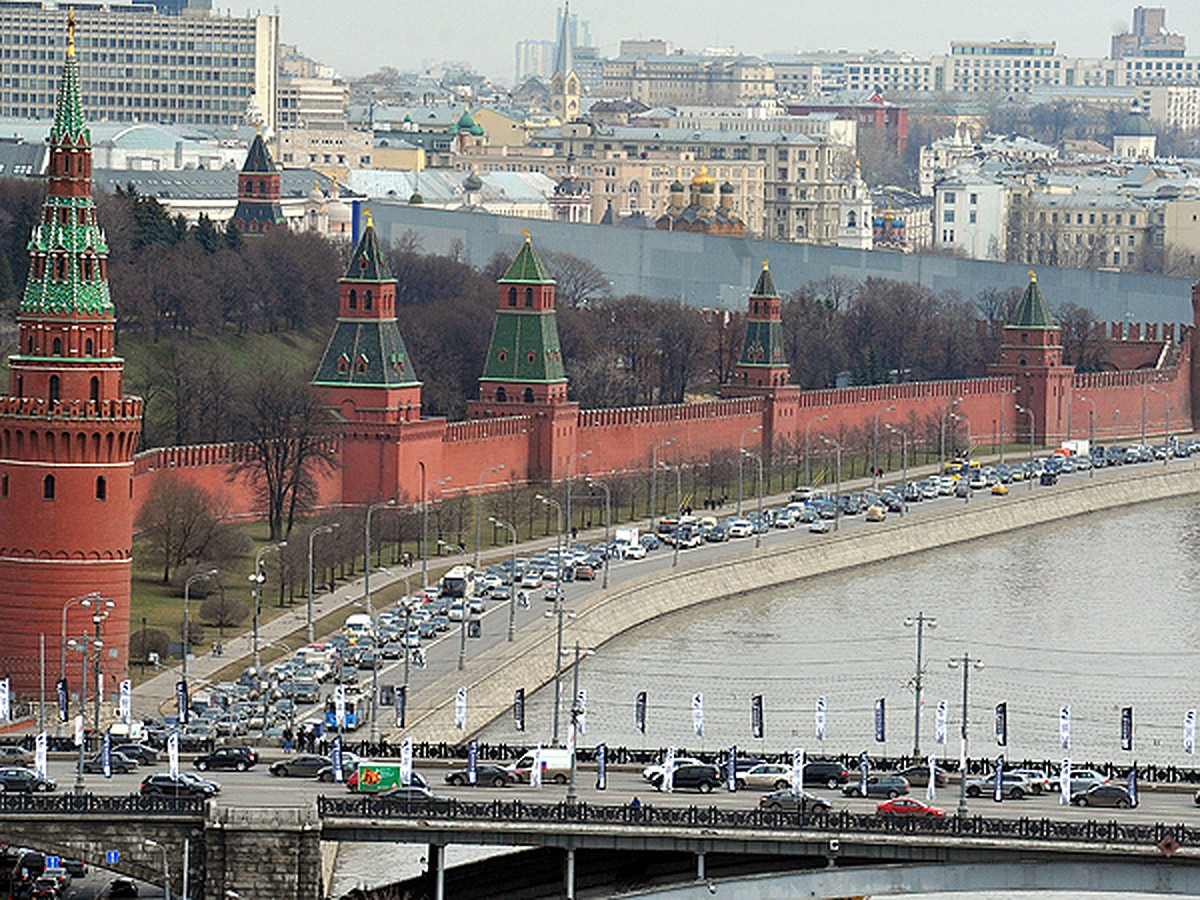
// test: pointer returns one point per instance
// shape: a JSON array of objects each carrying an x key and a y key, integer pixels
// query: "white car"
[
  {"x": 740, "y": 528},
  {"x": 632, "y": 551},
  {"x": 818, "y": 526},
  {"x": 651, "y": 772},
  {"x": 531, "y": 579}
]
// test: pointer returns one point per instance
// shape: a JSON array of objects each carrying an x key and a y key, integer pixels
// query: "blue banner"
[
  {"x": 106, "y": 754},
  {"x": 61, "y": 687},
  {"x": 519, "y": 709},
  {"x": 335, "y": 757},
  {"x": 1002, "y": 724},
  {"x": 880, "y": 722},
  {"x": 864, "y": 766},
  {"x": 401, "y": 705},
  {"x": 472, "y": 762},
  {"x": 1131, "y": 785},
  {"x": 756, "y": 716},
  {"x": 731, "y": 770},
  {"x": 1127, "y": 728},
  {"x": 602, "y": 767},
  {"x": 998, "y": 780}
]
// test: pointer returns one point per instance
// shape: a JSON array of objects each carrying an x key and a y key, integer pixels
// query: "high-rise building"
[
  {"x": 139, "y": 65},
  {"x": 1149, "y": 36}
]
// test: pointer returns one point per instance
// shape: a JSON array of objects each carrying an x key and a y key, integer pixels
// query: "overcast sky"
[{"x": 359, "y": 36}]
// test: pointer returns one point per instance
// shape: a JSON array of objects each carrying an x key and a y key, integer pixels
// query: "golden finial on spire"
[
  {"x": 370, "y": 218},
  {"x": 71, "y": 32},
  {"x": 528, "y": 239},
  {"x": 1032, "y": 277},
  {"x": 765, "y": 266}
]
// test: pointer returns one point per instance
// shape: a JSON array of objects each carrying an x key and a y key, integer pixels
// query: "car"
[
  {"x": 584, "y": 572},
  {"x": 16, "y": 780},
  {"x": 1104, "y": 795},
  {"x": 76, "y": 868},
  {"x": 698, "y": 776},
  {"x": 908, "y": 807},
  {"x": 740, "y": 528},
  {"x": 119, "y": 764},
  {"x": 831, "y": 774},
  {"x": 143, "y": 754},
  {"x": 651, "y": 772},
  {"x": 876, "y": 513},
  {"x": 918, "y": 776},
  {"x": 415, "y": 795},
  {"x": 485, "y": 776},
  {"x": 1013, "y": 785},
  {"x": 878, "y": 786},
  {"x": 1081, "y": 780},
  {"x": 765, "y": 775},
  {"x": 303, "y": 765},
  {"x": 632, "y": 551},
  {"x": 1039, "y": 781},
  {"x": 818, "y": 526},
  {"x": 161, "y": 784},
  {"x": 793, "y": 801},
  {"x": 119, "y": 889},
  {"x": 13, "y": 755},
  {"x": 237, "y": 758},
  {"x": 46, "y": 887}
]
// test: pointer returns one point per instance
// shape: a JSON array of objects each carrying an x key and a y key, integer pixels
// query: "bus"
[
  {"x": 961, "y": 468},
  {"x": 459, "y": 582},
  {"x": 356, "y": 709}
]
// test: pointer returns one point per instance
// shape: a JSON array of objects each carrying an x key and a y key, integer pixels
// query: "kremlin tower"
[{"x": 67, "y": 432}]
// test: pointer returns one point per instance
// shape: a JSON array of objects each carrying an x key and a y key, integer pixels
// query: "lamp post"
[
  {"x": 571, "y": 457},
  {"x": 82, "y": 646},
  {"x": 807, "y": 428},
  {"x": 741, "y": 450},
  {"x": 837, "y": 506},
  {"x": 607, "y": 523},
  {"x": 1091, "y": 432},
  {"x": 654, "y": 481},
  {"x": 558, "y": 610},
  {"x": 967, "y": 663},
  {"x": 320, "y": 529},
  {"x": 257, "y": 578},
  {"x": 922, "y": 622},
  {"x": 425, "y": 492},
  {"x": 98, "y": 618},
  {"x": 150, "y": 842},
  {"x": 875, "y": 446},
  {"x": 367, "y": 554},
  {"x": 1167, "y": 433},
  {"x": 1144, "y": 414},
  {"x": 86, "y": 602},
  {"x": 576, "y": 712},
  {"x": 942, "y": 446},
  {"x": 903, "y": 467},
  {"x": 478, "y": 509},
  {"x": 757, "y": 457},
  {"x": 187, "y": 602},
  {"x": 512, "y": 572},
  {"x": 678, "y": 504},
  {"x": 1032, "y": 428}
]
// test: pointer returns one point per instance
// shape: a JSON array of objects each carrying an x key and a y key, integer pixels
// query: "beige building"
[
  {"x": 1173, "y": 106},
  {"x": 332, "y": 153},
  {"x": 666, "y": 80}
]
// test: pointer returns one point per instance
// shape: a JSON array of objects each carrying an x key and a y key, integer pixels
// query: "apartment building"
[{"x": 667, "y": 80}]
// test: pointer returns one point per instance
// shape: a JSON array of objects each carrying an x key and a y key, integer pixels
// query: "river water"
[{"x": 1099, "y": 613}]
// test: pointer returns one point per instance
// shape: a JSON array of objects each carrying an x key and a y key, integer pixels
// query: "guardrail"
[
  {"x": 131, "y": 804},
  {"x": 518, "y": 812}
]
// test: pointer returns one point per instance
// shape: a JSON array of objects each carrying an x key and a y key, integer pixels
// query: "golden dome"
[{"x": 702, "y": 177}]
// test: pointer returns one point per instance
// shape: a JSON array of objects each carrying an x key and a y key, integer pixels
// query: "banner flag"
[
  {"x": 731, "y": 770},
  {"x": 401, "y": 699},
  {"x": 472, "y": 762},
  {"x": 78, "y": 730},
  {"x": 126, "y": 701},
  {"x": 668, "y": 779},
  {"x": 406, "y": 761},
  {"x": 60, "y": 687},
  {"x": 602, "y": 767},
  {"x": 639, "y": 712},
  {"x": 106, "y": 754},
  {"x": 1064, "y": 726},
  {"x": 173, "y": 755},
  {"x": 581, "y": 705},
  {"x": 998, "y": 780},
  {"x": 1189, "y": 731},
  {"x": 5, "y": 701},
  {"x": 519, "y": 708},
  {"x": 798, "y": 757},
  {"x": 460, "y": 708},
  {"x": 41, "y": 752},
  {"x": 535, "y": 772},
  {"x": 335, "y": 757},
  {"x": 1064, "y": 783},
  {"x": 756, "y": 716},
  {"x": 1127, "y": 728},
  {"x": 1131, "y": 785},
  {"x": 181, "y": 701},
  {"x": 864, "y": 766},
  {"x": 931, "y": 788},
  {"x": 820, "y": 718},
  {"x": 1002, "y": 724},
  {"x": 698, "y": 714},
  {"x": 880, "y": 722},
  {"x": 941, "y": 722},
  {"x": 339, "y": 706}
]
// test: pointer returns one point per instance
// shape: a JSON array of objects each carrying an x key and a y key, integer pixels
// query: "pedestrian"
[
  {"x": 635, "y": 803},
  {"x": 287, "y": 740},
  {"x": 301, "y": 737},
  {"x": 574, "y": 533}
]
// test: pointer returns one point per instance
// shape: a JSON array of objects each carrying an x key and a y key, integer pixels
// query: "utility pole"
[{"x": 922, "y": 622}]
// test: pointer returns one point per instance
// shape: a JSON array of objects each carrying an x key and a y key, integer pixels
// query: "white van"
[
  {"x": 357, "y": 624},
  {"x": 556, "y": 766}
]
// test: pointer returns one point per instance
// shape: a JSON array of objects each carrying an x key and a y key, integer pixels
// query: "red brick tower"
[
  {"x": 763, "y": 364},
  {"x": 259, "y": 188},
  {"x": 67, "y": 433},
  {"x": 1032, "y": 354}
]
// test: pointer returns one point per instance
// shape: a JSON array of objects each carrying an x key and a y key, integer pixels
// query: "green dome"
[
  {"x": 727, "y": 188},
  {"x": 465, "y": 121},
  {"x": 472, "y": 182},
  {"x": 1134, "y": 125}
]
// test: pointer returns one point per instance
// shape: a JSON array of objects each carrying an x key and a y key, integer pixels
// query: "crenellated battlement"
[{"x": 125, "y": 409}]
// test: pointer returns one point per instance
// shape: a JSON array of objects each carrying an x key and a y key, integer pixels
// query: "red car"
[{"x": 908, "y": 806}]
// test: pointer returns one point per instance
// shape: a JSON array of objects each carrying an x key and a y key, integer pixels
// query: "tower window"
[
  {"x": 367, "y": 300},
  {"x": 4, "y": 485},
  {"x": 501, "y": 395},
  {"x": 58, "y": 346},
  {"x": 48, "y": 487},
  {"x": 89, "y": 347},
  {"x": 94, "y": 389},
  {"x": 528, "y": 297},
  {"x": 512, "y": 296},
  {"x": 528, "y": 395},
  {"x": 353, "y": 298},
  {"x": 101, "y": 488},
  {"x": 54, "y": 389}
]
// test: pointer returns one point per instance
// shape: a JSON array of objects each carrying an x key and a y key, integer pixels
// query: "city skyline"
[{"x": 487, "y": 38}]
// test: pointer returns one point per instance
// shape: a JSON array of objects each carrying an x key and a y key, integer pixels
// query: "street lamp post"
[
  {"x": 1144, "y": 413},
  {"x": 757, "y": 457},
  {"x": 678, "y": 504},
  {"x": 166, "y": 871},
  {"x": 570, "y": 459},
  {"x": 257, "y": 578},
  {"x": 86, "y": 602},
  {"x": 576, "y": 712},
  {"x": 478, "y": 509},
  {"x": 607, "y": 523},
  {"x": 558, "y": 610},
  {"x": 320, "y": 529},
  {"x": 654, "y": 481},
  {"x": 875, "y": 446},
  {"x": 1091, "y": 433},
  {"x": 903, "y": 467},
  {"x": 367, "y": 554},
  {"x": 942, "y": 446},
  {"x": 741, "y": 450},
  {"x": 1032, "y": 428},
  {"x": 1167, "y": 433},
  {"x": 187, "y": 603},
  {"x": 922, "y": 622},
  {"x": 807, "y": 429},
  {"x": 512, "y": 572},
  {"x": 425, "y": 491},
  {"x": 967, "y": 662},
  {"x": 837, "y": 506},
  {"x": 82, "y": 646}
]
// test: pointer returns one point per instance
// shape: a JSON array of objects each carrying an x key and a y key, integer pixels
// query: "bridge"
[{"x": 265, "y": 854}]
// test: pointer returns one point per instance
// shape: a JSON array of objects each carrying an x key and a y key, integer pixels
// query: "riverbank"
[{"x": 492, "y": 678}]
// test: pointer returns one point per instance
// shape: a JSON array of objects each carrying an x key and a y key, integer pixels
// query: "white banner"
[
  {"x": 798, "y": 770},
  {"x": 5, "y": 701},
  {"x": 698, "y": 714},
  {"x": 941, "y": 722},
  {"x": 41, "y": 749},
  {"x": 78, "y": 730},
  {"x": 460, "y": 708},
  {"x": 581, "y": 705},
  {"x": 820, "y": 718},
  {"x": 931, "y": 788},
  {"x": 1064, "y": 783},
  {"x": 1189, "y": 731},
  {"x": 1064, "y": 726},
  {"x": 668, "y": 779},
  {"x": 100, "y": 684},
  {"x": 535, "y": 772},
  {"x": 126, "y": 700},
  {"x": 406, "y": 760},
  {"x": 173, "y": 755},
  {"x": 339, "y": 706}
]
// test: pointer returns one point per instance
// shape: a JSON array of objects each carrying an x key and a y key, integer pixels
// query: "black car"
[
  {"x": 24, "y": 781},
  {"x": 237, "y": 758},
  {"x": 119, "y": 763},
  {"x": 918, "y": 776},
  {"x": 831, "y": 774},
  {"x": 1104, "y": 795},
  {"x": 303, "y": 765},
  {"x": 878, "y": 786},
  {"x": 142, "y": 754},
  {"x": 700, "y": 776},
  {"x": 119, "y": 888},
  {"x": 161, "y": 784},
  {"x": 416, "y": 797},
  {"x": 485, "y": 775},
  {"x": 793, "y": 801}
]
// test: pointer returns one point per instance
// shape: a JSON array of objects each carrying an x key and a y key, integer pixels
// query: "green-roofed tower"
[
  {"x": 258, "y": 208},
  {"x": 763, "y": 364}
]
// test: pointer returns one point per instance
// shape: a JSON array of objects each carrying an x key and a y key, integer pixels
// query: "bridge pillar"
[
  {"x": 570, "y": 873},
  {"x": 437, "y": 870},
  {"x": 700, "y": 866},
  {"x": 263, "y": 854}
]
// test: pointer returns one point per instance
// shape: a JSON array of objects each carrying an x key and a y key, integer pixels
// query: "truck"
[{"x": 627, "y": 536}]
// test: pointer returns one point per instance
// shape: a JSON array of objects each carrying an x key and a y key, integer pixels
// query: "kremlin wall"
[{"x": 70, "y": 484}]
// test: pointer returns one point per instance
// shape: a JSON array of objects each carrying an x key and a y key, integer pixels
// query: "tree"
[
  {"x": 579, "y": 281},
  {"x": 279, "y": 416},
  {"x": 222, "y": 611},
  {"x": 178, "y": 520}
]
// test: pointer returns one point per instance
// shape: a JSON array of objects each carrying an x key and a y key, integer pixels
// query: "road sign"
[
  {"x": 53, "y": 862},
  {"x": 112, "y": 857}
]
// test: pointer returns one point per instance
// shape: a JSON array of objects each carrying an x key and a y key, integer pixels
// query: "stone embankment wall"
[{"x": 528, "y": 662}]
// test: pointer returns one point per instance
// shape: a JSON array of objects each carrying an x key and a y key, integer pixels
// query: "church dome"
[
  {"x": 1134, "y": 125},
  {"x": 472, "y": 183},
  {"x": 726, "y": 188},
  {"x": 702, "y": 178}
]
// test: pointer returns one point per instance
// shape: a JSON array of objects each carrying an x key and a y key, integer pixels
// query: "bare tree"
[
  {"x": 579, "y": 281},
  {"x": 178, "y": 520},
  {"x": 223, "y": 611}
]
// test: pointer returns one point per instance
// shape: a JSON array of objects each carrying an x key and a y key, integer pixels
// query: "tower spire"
[{"x": 564, "y": 53}]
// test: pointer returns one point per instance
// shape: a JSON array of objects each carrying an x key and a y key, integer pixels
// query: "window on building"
[
  {"x": 528, "y": 298},
  {"x": 48, "y": 487},
  {"x": 101, "y": 488},
  {"x": 353, "y": 298},
  {"x": 512, "y": 296},
  {"x": 528, "y": 395},
  {"x": 94, "y": 389},
  {"x": 58, "y": 346},
  {"x": 948, "y": 198},
  {"x": 54, "y": 389},
  {"x": 971, "y": 217},
  {"x": 367, "y": 300},
  {"x": 947, "y": 215},
  {"x": 4, "y": 485},
  {"x": 501, "y": 395},
  {"x": 89, "y": 347}
]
